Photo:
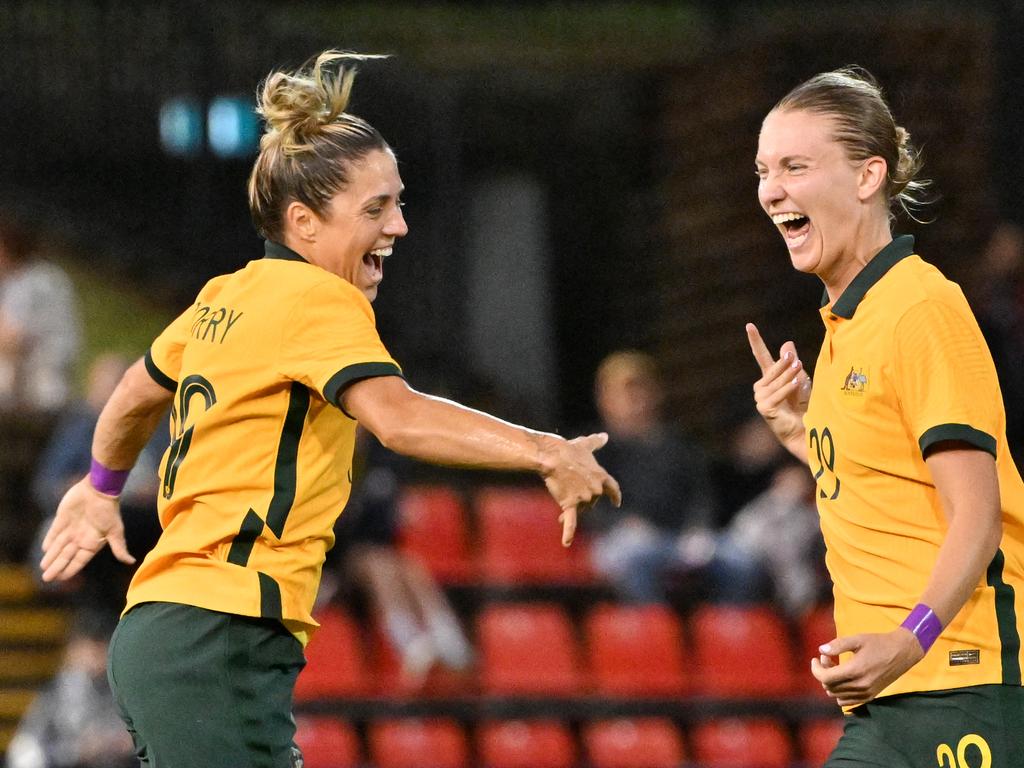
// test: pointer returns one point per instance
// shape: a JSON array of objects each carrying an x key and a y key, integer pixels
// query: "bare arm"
[
  {"x": 968, "y": 487},
  {"x": 129, "y": 418},
  {"x": 85, "y": 518},
  {"x": 443, "y": 432}
]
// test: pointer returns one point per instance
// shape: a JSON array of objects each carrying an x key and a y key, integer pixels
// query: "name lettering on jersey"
[
  {"x": 213, "y": 325},
  {"x": 856, "y": 382}
]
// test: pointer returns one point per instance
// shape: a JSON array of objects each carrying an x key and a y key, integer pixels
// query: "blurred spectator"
[
  {"x": 39, "y": 326},
  {"x": 751, "y": 458},
  {"x": 66, "y": 458},
  {"x": 39, "y": 341},
  {"x": 773, "y": 547},
  {"x": 73, "y": 722},
  {"x": 406, "y": 600},
  {"x": 998, "y": 299},
  {"x": 665, "y": 488}
]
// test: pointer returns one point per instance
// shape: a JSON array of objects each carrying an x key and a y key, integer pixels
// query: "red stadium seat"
[
  {"x": 327, "y": 743},
  {"x": 628, "y": 743},
  {"x": 526, "y": 744},
  {"x": 414, "y": 743},
  {"x": 742, "y": 651},
  {"x": 432, "y": 528},
  {"x": 736, "y": 743},
  {"x": 816, "y": 627},
  {"x": 391, "y": 680},
  {"x": 334, "y": 660},
  {"x": 635, "y": 650},
  {"x": 818, "y": 738},
  {"x": 521, "y": 540},
  {"x": 527, "y": 649}
]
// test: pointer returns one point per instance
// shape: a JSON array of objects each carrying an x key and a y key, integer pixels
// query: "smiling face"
[
  {"x": 830, "y": 211},
  {"x": 360, "y": 225}
]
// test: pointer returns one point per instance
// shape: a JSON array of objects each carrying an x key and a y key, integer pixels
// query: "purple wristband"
[
  {"x": 924, "y": 625},
  {"x": 108, "y": 481}
]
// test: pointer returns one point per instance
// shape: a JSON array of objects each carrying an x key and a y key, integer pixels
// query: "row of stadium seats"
[
  {"x": 533, "y": 649},
  {"x": 508, "y": 535},
  {"x": 652, "y": 742}
]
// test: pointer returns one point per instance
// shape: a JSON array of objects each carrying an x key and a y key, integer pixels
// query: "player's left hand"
[
  {"x": 877, "y": 661},
  {"x": 85, "y": 522}
]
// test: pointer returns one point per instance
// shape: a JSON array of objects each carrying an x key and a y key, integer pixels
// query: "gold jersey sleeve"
[
  {"x": 333, "y": 340},
  {"x": 163, "y": 360},
  {"x": 944, "y": 377}
]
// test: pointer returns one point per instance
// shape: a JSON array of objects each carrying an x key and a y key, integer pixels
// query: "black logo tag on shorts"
[{"x": 960, "y": 658}]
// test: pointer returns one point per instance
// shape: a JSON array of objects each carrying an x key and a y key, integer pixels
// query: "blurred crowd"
[{"x": 737, "y": 525}]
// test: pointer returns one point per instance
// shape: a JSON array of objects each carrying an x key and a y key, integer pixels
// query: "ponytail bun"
[
  {"x": 905, "y": 189},
  {"x": 296, "y": 106}
]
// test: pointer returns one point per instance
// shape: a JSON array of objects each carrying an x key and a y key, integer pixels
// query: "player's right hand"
[
  {"x": 575, "y": 479},
  {"x": 86, "y": 520},
  {"x": 782, "y": 392}
]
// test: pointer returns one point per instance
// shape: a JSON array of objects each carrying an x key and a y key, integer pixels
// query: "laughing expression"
[
  {"x": 362, "y": 223},
  {"x": 809, "y": 187}
]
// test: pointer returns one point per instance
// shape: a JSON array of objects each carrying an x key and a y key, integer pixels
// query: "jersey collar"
[
  {"x": 274, "y": 250},
  {"x": 885, "y": 259}
]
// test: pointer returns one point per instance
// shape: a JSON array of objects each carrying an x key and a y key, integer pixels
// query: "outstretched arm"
[
  {"x": 440, "y": 431},
  {"x": 968, "y": 487},
  {"x": 87, "y": 518}
]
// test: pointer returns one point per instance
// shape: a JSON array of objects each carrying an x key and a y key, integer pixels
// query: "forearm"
[
  {"x": 443, "y": 432},
  {"x": 129, "y": 419},
  {"x": 968, "y": 487},
  {"x": 964, "y": 556}
]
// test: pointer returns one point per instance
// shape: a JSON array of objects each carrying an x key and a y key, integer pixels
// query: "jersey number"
[
  {"x": 190, "y": 387},
  {"x": 825, "y": 449},
  {"x": 944, "y": 753}
]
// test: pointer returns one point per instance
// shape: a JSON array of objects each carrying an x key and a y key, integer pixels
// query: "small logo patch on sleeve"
[{"x": 960, "y": 658}]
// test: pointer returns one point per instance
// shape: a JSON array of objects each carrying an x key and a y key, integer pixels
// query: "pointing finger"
[
  {"x": 759, "y": 348},
  {"x": 568, "y": 521}
]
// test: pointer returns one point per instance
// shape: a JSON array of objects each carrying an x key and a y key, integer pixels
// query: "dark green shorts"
[
  {"x": 977, "y": 727},
  {"x": 202, "y": 689}
]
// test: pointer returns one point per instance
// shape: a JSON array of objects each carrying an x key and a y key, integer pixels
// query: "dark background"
[{"x": 637, "y": 121}]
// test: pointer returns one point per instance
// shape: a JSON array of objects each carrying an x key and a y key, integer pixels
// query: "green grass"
[{"x": 115, "y": 318}]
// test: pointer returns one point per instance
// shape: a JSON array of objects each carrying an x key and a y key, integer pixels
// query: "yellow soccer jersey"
[
  {"x": 904, "y": 366},
  {"x": 260, "y": 462}
]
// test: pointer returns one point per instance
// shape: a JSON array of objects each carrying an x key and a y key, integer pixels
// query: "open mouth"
[
  {"x": 794, "y": 227},
  {"x": 374, "y": 262}
]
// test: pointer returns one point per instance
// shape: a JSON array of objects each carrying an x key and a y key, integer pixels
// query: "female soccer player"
[
  {"x": 904, "y": 430},
  {"x": 268, "y": 374}
]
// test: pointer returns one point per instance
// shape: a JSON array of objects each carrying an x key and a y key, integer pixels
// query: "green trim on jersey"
[
  {"x": 272, "y": 250},
  {"x": 270, "y": 597},
  {"x": 1006, "y": 619},
  {"x": 157, "y": 375},
  {"x": 961, "y": 432},
  {"x": 875, "y": 270},
  {"x": 287, "y": 455},
  {"x": 353, "y": 373},
  {"x": 248, "y": 532}
]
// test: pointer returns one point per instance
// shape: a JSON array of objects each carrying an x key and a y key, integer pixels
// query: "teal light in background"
[
  {"x": 232, "y": 129},
  {"x": 181, "y": 126}
]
